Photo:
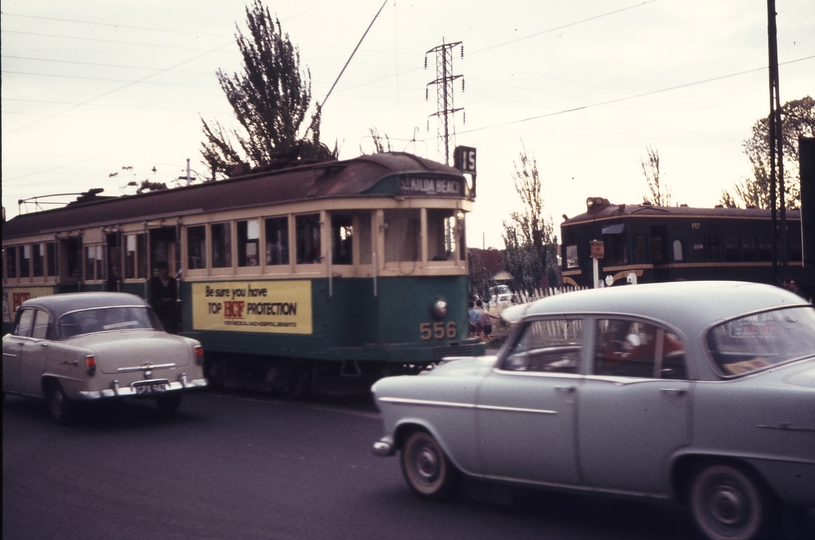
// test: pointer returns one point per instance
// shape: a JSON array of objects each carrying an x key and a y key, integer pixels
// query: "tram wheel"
[{"x": 296, "y": 382}]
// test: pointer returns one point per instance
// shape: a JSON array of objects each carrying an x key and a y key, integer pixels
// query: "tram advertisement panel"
[
  {"x": 282, "y": 307},
  {"x": 13, "y": 297}
]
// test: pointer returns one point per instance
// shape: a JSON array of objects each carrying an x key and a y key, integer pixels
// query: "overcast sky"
[{"x": 92, "y": 86}]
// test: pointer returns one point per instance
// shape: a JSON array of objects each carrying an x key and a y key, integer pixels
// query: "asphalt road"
[{"x": 247, "y": 466}]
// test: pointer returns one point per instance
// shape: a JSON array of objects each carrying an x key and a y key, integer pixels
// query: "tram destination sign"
[{"x": 431, "y": 187}]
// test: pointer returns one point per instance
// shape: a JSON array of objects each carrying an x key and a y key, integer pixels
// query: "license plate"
[{"x": 147, "y": 388}]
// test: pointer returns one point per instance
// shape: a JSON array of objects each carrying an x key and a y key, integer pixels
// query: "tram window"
[
  {"x": 94, "y": 262},
  {"x": 196, "y": 247},
  {"x": 11, "y": 261},
  {"x": 765, "y": 248},
  {"x": 697, "y": 248},
  {"x": 51, "y": 259},
  {"x": 277, "y": 241},
  {"x": 38, "y": 259},
  {"x": 25, "y": 261},
  {"x": 678, "y": 251},
  {"x": 714, "y": 247},
  {"x": 571, "y": 256},
  {"x": 402, "y": 235},
  {"x": 748, "y": 247},
  {"x": 308, "y": 238},
  {"x": 342, "y": 234},
  {"x": 442, "y": 235},
  {"x": 794, "y": 242},
  {"x": 364, "y": 236},
  {"x": 221, "y": 245},
  {"x": 615, "y": 249},
  {"x": 640, "y": 249},
  {"x": 731, "y": 248},
  {"x": 248, "y": 242}
]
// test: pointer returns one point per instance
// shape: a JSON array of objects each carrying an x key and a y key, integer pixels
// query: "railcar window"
[
  {"x": 748, "y": 248},
  {"x": 547, "y": 346},
  {"x": 277, "y": 241},
  {"x": 402, "y": 235},
  {"x": 307, "y": 228},
  {"x": 765, "y": 248},
  {"x": 627, "y": 348},
  {"x": 11, "y": 262},
  {"x": 38, "y": 259},
  {"x": 248, "y": 242},
  {"x": 95, "y": 262},
  {"x": 714, "y": 247},
  {"x": 678, "y": 251},
  {"x": 221, "y": 245},
  {"x": 731, "y": 248},
  {"x": 615, "y": 249},
  {"x": 25, "y": 261},
  {"x": 640, "y": 249},
  {"x": 697, "y": 248},
  {"x": 196, "y": 247},
  {"x": 442, "y": 235},
  {"x": 571, "y": 256},
  {"x": 342, "y": 235},
  {"x": 51, "y": 258},
  {"x": 365, "y": 239},
  {"x": 794, "y": 242}
]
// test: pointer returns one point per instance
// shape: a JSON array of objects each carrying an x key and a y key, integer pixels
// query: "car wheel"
[
  {"x": 426, "y": 468},
  {"x": 728, "y": 504},
  {"x": 169, "y": 403},
  {"x": 60, "y": 407}
]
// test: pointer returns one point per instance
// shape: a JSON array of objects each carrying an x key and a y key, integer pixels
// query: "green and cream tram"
[{"x": 338, "y": 270}]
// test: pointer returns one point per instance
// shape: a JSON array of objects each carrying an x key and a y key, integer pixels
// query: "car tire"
[
  {"x": 60, "y": 408},
  {"x": 426, "y": 468},
  {"x": 169, "y": 403},
  {"x": 728, "y": 503}
]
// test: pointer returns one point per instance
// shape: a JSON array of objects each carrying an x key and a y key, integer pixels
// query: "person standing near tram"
[{"x": 163, "y": 294}]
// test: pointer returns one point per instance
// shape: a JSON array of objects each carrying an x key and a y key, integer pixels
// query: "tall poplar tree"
[{"x": 270, "y": 97}]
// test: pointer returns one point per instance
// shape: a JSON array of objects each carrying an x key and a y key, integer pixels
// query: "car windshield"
[
  {"x": 763, "y": 339},
  {"x": 104, "y": 319}
]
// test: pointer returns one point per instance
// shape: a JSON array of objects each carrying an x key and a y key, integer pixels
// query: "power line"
[
  {"x": 96, "y": 40},
  {"x": 8, "y": 72},
  {"x": 112, "y": 25},
  {"x": 97, "y": 64}
]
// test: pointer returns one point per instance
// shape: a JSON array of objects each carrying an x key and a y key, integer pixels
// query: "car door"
[
  {"x": 34, "y": 354},
  {"x": 633, "y": 410},
  {"x": 526, "y": 406},
  {"x": 13, "y": 346}
]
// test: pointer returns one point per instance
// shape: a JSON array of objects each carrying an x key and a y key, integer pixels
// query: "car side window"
[
  {"x": 41, "y": 322},
  {"x": 550, "y": 345},
  {"x": 628, "y": 348},
  {"x": 24, "y": 323}
]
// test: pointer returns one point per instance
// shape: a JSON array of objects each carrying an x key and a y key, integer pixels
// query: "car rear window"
[
  {"x": 106, "y": 319},
  {"x": 760, "y": 340}
]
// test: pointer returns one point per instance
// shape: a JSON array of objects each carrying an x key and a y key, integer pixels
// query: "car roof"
[
  {"x": 59, "y": 304},
  {"x": 688, "y": 305}
]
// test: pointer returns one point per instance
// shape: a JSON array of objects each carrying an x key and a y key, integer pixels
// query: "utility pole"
[
  {"x": 445, "y": 108},
  {"x": 776, "y": 150}
]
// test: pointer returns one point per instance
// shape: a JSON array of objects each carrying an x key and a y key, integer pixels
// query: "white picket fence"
[{"x": 524, "y": 298}]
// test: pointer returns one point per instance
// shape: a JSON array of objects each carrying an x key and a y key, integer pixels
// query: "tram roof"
[
  {"x": 601, "y": 210},
  {"x": 368, "y": 175}
]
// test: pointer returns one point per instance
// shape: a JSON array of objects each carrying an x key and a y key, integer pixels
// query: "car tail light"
[
  {"x": 90, "y": 363},
  {"x": 199, "y": 355}
]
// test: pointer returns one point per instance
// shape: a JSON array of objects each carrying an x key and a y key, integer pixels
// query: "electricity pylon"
[{"x": 445, "y": 108}]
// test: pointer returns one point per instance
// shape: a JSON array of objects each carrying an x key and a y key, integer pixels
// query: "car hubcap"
[
  {"x": 427, "y": 464},
  {"x": 728, "y": 505}
]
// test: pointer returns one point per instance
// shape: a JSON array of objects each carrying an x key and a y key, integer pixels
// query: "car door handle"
[
  {"x": 565, "y": 389},
  {"x": 675, "y": 391}
]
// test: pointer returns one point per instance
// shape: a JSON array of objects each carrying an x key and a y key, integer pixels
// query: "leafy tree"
[
  {"x": 659, "y": 190},
  {"x": 798, "y": 119},
  {"x": 270, "y": 99},
  {"x": 531, "y": 254}
]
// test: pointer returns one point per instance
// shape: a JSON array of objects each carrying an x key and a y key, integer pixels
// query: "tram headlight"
[{"x": 440, "y": 308}]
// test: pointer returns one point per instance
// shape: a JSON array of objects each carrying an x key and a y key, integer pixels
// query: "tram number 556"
[{"x": 437, "y": 330}]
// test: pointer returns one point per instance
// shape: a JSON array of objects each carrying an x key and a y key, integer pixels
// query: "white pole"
[{"x": 188, "y": 171}]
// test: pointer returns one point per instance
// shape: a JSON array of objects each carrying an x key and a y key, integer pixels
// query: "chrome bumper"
[
  {"x": 125, "y": 391},
  {"x": 384, "y": 447}
]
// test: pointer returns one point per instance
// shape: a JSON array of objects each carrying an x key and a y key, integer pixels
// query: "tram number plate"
[{"x": 148, "y": 388}]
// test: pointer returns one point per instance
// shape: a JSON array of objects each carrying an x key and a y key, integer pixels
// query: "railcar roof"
[
  {"x": 59, "y": 304},
  {"x": 687, "y": 305},
  {"x": 610, "y": 211},
  {"x": 352, "y": 177}
]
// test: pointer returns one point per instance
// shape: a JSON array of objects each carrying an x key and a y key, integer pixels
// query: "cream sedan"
[
  {"x": 701, "y": 392},
  {"x": 70, "y": 348}
]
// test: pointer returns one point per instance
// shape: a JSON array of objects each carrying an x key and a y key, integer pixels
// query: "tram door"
[
  {"x": 69, "y": 263},
  {"x": 114, "y": 247},
  {"x": 163, "y": 249},
  {"x": 659, "y": 253}
]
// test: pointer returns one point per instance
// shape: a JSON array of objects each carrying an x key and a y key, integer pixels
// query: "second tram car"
[
  {"x": 290, "y": 277},
  {"x": 644, "y": 243}
]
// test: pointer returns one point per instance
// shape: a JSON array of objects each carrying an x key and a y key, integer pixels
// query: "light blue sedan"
[{"x": 702, "y": 392}]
